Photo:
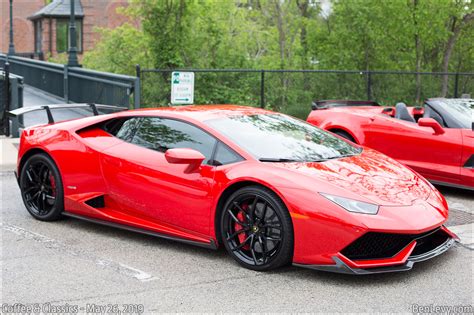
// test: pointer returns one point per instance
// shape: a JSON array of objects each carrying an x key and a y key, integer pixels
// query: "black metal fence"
[
  {"x": 4, "y": 100},
  {"x": 11, "y": 97},
  {"x": 31, "y": 55},
  {"x": 77, "y": 84},
  {"x": 292, "y": 91}
]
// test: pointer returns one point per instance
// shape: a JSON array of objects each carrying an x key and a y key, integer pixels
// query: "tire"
[
  {"x": 344, "y": 134},
  {"x": 42, "y": 188},
  {"x": 259, "y": 240}
]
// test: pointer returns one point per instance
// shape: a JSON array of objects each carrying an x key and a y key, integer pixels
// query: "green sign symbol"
[{"x": 176, "y": 78}]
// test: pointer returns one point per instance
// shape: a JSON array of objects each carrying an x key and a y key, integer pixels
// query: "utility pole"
[
  {"x": 72, "y": 51},
  {"x": 11, "y": 47}
]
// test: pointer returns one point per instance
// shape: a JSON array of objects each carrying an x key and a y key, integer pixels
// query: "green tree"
[
  {"x": 120, "y": 50},
  {"x": 407, "y": 35}
]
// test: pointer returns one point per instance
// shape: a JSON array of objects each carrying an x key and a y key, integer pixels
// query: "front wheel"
[
  {"x": 41, "y": 188},
  {"x": 256, "y": 229}
]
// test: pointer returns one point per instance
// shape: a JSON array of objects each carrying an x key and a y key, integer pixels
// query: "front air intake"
[{"x": 374, "y": 245}]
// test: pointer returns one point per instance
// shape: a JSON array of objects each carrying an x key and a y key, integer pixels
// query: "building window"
[
  {"x": 62, "y": 35},
  {"x": 38, "y": 35}
]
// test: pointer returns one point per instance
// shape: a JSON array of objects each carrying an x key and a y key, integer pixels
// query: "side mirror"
[
  {"x": 184, "y": 156},
  {"x": 430, "y": 122}
]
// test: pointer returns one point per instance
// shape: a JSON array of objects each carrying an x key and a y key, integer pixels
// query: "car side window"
[
  {"x": 161, "y": 134},
  {"x": 225, "y": 155},
  {"x": 126, "y": 129},
  {"x": 122, "y": 128}
]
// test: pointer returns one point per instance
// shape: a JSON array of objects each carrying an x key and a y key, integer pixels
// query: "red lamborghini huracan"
[
  {"x": 272, "y": 189},
  {"x": 436, "y": 140}
]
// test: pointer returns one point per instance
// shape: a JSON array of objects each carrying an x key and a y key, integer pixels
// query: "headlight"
[{"x": 353, "y": 205}]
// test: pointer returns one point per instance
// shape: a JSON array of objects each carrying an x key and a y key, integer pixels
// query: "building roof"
[{"x": 59, "y": 8}]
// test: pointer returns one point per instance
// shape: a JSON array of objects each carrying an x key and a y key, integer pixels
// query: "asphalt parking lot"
[{"x": 81, "y": 264}]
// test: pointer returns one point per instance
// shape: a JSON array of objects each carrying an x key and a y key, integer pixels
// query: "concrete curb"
[{"x": 8, "y": 147}]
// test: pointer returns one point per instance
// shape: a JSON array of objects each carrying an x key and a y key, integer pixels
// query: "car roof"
[
  {"x": 450, "y": 120},
  {"x": 199, "y": 112},
  {"x": 468, "y": 101}
]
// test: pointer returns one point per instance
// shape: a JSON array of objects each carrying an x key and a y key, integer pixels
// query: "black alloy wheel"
[
  {"x": 41, "y": 188},
  {"x": 256, "y": 229}
]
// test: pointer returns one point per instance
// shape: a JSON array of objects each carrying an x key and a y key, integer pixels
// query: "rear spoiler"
[
  {"x": 325, "y": 104},
  {"x": 94, "y": 107}
]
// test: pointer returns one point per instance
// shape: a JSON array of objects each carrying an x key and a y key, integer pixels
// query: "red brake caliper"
[
  {"x": 53, "y": 185},
  {"x": 242, "y": 218}
]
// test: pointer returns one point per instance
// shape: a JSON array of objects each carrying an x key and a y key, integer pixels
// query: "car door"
[
  {"x": 145, "y": 185},
  {"x": 436, "y": 157}
]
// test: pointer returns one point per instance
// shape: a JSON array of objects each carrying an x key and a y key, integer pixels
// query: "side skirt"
[{"x": 211, "y": 245}]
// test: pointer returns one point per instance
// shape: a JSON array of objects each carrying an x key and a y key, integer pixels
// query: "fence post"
[
  {"x": 456, "y": 84},
  {"x": 6, "y": 120},
  {"x": 369, "y": 85},
  {"x": 137, "y": 88},
  {"x": 15, "y": 103},
  {"x": 66, "y": 84},
  {"x": 262, "y": 88}
]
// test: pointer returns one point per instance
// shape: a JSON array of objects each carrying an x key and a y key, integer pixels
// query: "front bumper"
[{"x": 402, "y": 261}]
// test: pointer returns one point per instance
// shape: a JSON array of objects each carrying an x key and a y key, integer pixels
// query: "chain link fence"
[{"x": 292, "y": 91}]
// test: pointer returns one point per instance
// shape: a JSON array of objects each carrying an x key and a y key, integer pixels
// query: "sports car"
[
  {"x": 273, "y": 190},
  {"x": 436, "y": 140}
]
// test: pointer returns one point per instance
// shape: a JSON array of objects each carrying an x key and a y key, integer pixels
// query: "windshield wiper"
[
  {"x": 278, "y": 160},
  {"x": 343, "y": 155}
]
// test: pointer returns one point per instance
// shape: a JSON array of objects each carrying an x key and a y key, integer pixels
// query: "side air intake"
[
  {"x": 97, "y": 202},
  {"x": 470, "y": 162}
]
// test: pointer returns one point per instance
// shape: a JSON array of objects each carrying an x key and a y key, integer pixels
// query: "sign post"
[{"x": 182, "y": 88}]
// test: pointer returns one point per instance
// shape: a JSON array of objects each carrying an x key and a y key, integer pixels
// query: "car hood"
[{"x": 370, "y": 176}]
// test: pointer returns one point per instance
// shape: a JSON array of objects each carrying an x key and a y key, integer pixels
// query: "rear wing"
[
  {"x": 93, "y": 107},
  {"x": 325, "y": 104}
]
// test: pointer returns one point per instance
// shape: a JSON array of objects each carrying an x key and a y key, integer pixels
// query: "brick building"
[{"x": 40, "y": 27}]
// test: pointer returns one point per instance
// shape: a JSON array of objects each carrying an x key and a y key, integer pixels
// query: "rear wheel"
[
  {"x": 41, "y": 188},
  {"x": 256, "y": 229}
]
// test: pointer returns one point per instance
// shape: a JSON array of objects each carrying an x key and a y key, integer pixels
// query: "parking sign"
[{"x": 182, "y": 87}]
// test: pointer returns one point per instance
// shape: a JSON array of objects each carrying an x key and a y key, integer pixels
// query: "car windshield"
[
  {"x": 461, "y": 110},
  {"x": 280, "y": 138}
]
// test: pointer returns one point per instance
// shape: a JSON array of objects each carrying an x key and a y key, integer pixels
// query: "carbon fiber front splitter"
[{"x": 342, "y": 267}]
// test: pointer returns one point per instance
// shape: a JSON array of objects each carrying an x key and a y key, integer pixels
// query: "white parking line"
[{"x": 59, "y": 246}]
